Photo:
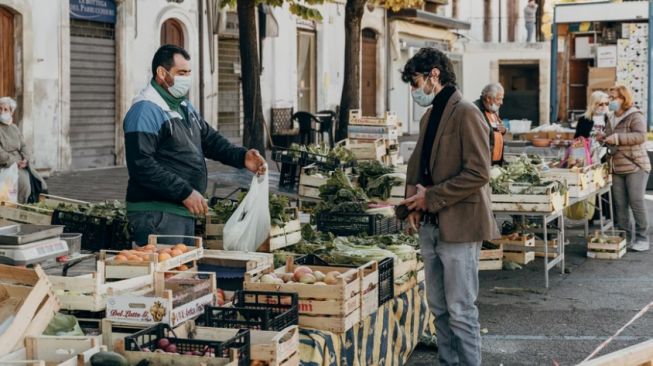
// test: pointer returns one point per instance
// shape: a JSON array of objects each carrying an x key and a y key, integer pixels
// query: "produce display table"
[
  {"x": 547, "y": 217},
  {"x": 386, "y": 337}
]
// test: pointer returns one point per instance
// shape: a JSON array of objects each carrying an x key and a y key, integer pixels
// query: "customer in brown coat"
[
  {"x": 449, "y": 198},
  {"x": 626, "y": 133}
]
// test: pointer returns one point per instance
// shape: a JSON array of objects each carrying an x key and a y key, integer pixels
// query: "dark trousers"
[{"x": 144, "y": 223}]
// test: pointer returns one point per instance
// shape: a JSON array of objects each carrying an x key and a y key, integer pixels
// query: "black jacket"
[
  {"x": 585, "y": 126},
  {"x": 165, "y": 153}
]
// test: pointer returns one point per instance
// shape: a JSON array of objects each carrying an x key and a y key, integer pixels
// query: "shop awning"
[
  {"x": 402, "y": 27},
  {"x": 601, "y": 12},
  {"x": 428, "y": 18}
]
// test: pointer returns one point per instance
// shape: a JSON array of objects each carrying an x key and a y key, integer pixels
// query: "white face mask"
[
  {"x": 421, "y": 98},
  {"x": 181, "y": 86},
  {"x": 5, "y": 118},
  {"x": 493, "y": 108}
]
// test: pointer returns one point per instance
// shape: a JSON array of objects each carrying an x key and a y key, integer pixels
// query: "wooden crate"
[
  {"x": 367, "y": 149},
  {"x": 245, "y": 260},
  {"x": 393, "y": 159},
  {"x": 62, "y": 350},
  {"x": 54, "y": 201},
  {"x": 388, "y": 119},
  {"x": 580, "y": 181},
  {"x": 397, "y": 194},
  {"x": 552, "y": 245},
  {"x": 281, "y": 237},
  {"x": 640, "y": 354},
  {"x": 334, "y": 308},
  {"x": 373, "y": 132},
  {"x": 25, "y": 214},
  {"x": 491, "y": 259},
  {"x": 213, "y": 229},
  {"x": 369, "y": 289},
  {"x": 545, "y": 199},
  {"x": 130, "y": 269},
  {"x": 25, "y": 294},
  {"x": 274, "y": 348},
  {"x": 606, "y": 250},
  {"x": 143, "y": 309},
  {"x": 89, "y": 292},
  {"x": 519, "y": 257},
  {"x": 310, "y": 182},
  {"x": 524, "y": 241}
]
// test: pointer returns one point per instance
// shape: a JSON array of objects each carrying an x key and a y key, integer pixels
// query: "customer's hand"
[
  {"x": 196, "y": 204},
  {"x": 414, "y": 219},
  {"x": 612, "y": 139},
  {"x": 418, "y": 201},
  {"x": 22, "y": 164},
  {"x": 254, "y": 162}
]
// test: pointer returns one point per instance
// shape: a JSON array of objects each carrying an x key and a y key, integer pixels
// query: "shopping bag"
[
  {"x": 9, "y": 183},
  {"x": 249, "y": 226},
  {"x": 578, "y": 154}
]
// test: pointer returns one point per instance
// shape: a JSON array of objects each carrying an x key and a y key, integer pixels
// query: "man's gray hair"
[
  {"x": 491, "y": 90},
  {"x": 10, "y": 102}
]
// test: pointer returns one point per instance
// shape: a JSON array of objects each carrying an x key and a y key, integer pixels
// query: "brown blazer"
[
  {"x": 630, "y": 155},
  {"x": 460, "y": 168}
]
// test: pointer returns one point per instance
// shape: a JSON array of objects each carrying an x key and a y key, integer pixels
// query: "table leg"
[
  {"x": 561, "y": 244},
  {"x": 546, "y": 251}
]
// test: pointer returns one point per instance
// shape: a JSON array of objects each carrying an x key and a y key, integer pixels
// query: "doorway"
[
  {"x": 521, "y": 83},
  {"x": 172, "y": 32},
  {"x": 7, "y": 53},
  {"x": 306, "y": 71},
  {"x": 368, "y": 73}
]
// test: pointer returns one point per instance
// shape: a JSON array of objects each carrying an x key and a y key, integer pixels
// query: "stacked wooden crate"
[
  {"x": 375, "y": 138},
  {"x": 518, "y": 248},
  {"x": 612, "y": 246},
  {"x": 491, "y": 259},
  {"x": 528, "y": 198},
  {"x": 580, "y": 181},
  {"x": 334, "y": 308}
]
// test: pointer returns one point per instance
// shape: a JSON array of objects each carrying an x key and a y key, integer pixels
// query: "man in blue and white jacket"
[{"x": 166, "y": 142}]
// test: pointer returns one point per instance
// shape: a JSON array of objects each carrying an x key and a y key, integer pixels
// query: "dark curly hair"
[{"x": 425, "y": 60}]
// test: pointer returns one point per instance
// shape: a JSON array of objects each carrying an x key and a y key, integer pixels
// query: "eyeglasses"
[{"x": 603, "y": 104}]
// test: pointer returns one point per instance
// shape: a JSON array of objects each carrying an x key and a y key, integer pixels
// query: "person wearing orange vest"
[{"x": 489, "y": 104}]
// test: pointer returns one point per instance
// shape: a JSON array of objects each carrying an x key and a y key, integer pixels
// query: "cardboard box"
[{"x": 600, "y": 78}]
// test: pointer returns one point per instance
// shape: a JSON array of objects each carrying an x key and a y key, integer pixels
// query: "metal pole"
[
  {"x": 553, "y": 88},
  {"x": 649, "y": 102}
]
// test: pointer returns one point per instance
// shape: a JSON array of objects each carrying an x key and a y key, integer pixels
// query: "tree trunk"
[
  {"x": 350, "y": 98},
  {"x": 487, "y": 21},
  {"x": 513, "y": 16},
  {"x": 253, "y": 136},
  {"x": 455, "y": 8}
]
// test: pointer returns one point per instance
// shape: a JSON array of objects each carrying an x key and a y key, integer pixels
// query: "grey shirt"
[
  {"x": 12, "y": 145},
  {"x": 530, "y": 13}
]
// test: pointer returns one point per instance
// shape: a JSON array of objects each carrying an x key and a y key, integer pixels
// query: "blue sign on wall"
[{"x": 103, "y": 11}]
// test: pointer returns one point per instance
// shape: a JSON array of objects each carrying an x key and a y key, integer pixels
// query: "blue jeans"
[
  {"x": 451, "y": 271},
  {"x": 144, "y": 223},
  {"x": 530, "y": 32}
]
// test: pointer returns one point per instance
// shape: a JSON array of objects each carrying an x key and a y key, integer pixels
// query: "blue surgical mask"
[
  {"x": 615, "y": 105},
  {"x": 423, "y": 99}
]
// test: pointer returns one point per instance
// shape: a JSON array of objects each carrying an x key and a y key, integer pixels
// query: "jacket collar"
[
  {"x": 446, "y": 119},
  {"x": 150, "y": 94}
]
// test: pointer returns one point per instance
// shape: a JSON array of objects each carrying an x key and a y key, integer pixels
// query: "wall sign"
[{"x": 102, "y": 11}]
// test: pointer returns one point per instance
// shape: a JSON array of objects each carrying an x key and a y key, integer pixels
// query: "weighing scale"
[{"x": 22, "y": 244}]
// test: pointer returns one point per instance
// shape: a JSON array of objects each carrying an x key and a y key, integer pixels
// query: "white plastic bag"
[
  {"x": 249, "y": 226},
  {"x": 9, "y": 184}
]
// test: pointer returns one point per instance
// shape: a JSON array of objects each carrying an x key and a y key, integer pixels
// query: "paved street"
[{"x": 525, "y": 324}]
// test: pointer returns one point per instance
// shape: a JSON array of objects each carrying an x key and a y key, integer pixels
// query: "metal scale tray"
[{"x": 21, "y": 234}]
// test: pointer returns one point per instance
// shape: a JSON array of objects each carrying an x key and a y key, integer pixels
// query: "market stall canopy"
[
  {"x": 429, "y": 19},
  {"x": 399, "y": 27},
  {"x": 601, "y": 12}
]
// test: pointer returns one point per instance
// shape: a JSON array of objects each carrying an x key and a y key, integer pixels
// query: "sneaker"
[{"x": 640, "y": 246}]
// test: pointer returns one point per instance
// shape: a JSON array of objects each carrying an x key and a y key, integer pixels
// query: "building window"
[{"x": 172, "y": 32}]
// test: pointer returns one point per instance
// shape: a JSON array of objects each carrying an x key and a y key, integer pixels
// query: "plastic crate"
[
  {"x": 348, "y": 224},
  {"x": 256, "y": 310},
  {"x": 97, "y": 232},
  {"x": 148, "y": 338},
  {"x": 289, "y": 156},
  {"x": 386, "y": 273}
]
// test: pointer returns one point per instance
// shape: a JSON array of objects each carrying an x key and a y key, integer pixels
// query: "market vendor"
[
  {"x": 166, "y": 141},
  {"x": 490, "y": 102},
  {"x": 448, "y": 194}
]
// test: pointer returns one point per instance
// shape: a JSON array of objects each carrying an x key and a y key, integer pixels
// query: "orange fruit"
[
  {"x": 120, "y": 258},
  {"x": 182, "y": 247},
  {"x": 164, "y": 257},
  {"x": 176, "y": 252},
  {"x": 165, "y": 250},
  {"x": 183, "y": 267},
  {"x": 125, "y": 253},
  {"x": 150, "y": 247},
  {"x": 133, "y": 257}
]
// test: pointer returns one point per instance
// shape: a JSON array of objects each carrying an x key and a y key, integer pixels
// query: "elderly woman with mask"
[{"x": 13, "y": 149}]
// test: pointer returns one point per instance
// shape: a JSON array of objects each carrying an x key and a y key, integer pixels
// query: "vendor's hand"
[
  {"x": 254, "y": 162},
  {"x": 612, "y": 139},
  {"x": 414, "y": 220},
  {"x": 196, "y": 204},
  {"x": 501, "y": 129},
  {"x": 418, "y": 201}
]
